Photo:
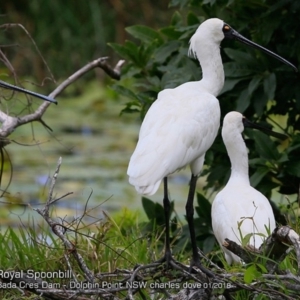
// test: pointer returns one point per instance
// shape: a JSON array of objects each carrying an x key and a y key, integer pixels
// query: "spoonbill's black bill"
[
  {"x": 9, "y": 86},
  {"x": 263, "y": 129},
  {"x": 230, "y": 33}
]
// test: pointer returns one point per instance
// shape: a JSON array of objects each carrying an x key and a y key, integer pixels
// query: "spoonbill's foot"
[
  {"x": 172, "y": 263},
  {"x": 196, "y": 263}
]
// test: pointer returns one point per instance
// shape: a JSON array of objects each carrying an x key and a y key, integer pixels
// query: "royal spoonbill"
[
  {"x": 9, "y": 86},
  {"x": 182, "y": 124},
  {"x": 238, "y": 202}
]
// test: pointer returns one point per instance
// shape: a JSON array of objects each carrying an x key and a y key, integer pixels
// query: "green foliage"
[
  {"x": 24, "y": 249},
  {"x": 78, "y": 33},
  {"x": 117, "y": 242},
  {"x": 180, "y": 234},
  {"x": 154, "y": 212},
  {"x": 114, "y": 242},
  {"x": 155, "y": 226},
  {"x": 204, "y": 233},
  {"x": 120, "y": 241}
]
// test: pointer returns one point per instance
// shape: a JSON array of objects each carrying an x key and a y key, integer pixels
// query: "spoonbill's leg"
[
  {"x": 167, "y": 211},
  {"x": 189, "y": 208}
]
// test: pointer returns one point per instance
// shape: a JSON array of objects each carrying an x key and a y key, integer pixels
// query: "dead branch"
[
  {"x": 284, "y": 235},
  {"x": 9, "y": 124},
  {"x": 237, "y": 249},
  {"x": 275, "y": 247},
  {"x": 57, "y": 229}
]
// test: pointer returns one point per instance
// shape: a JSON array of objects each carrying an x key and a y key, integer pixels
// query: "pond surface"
[{"x": 95, "y": 144}]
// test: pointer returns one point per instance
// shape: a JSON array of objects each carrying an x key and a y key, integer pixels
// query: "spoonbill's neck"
[
  {"x": 238, "y": 155},
  {"x": 212, "y": 67}
]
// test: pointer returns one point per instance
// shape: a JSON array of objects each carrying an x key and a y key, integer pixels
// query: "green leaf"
[
  {"x": 132, "y": 52},
  {"x": 211, "y": 2},
  {"x": 229, "y": 85},
  {"x": 132, "y": 49},
  {"x": 174, "y": 224},
  {"x": 243, "y": 101},
  {"x": 203, "y": 209},
  {"x": 124, "y": 91},
  {"x": 121, "y": 50},
  {"x": 171, "y": 32},
  {"x": 265, "y": 146},
  {"x": 283, "y": 158},
  {"x": 293, "y": 168},
  {"x": 152, "y": 209},
  {"x": 192, "y": 19},
  {"x": 146, "y": 55},
  {"x": 239, "y": 56},
  {"x": 246, "y": 238},
  {"x": 162, "y": 53},
  {"x": 262, "y": 268},
  {"x": 155, "y": 81},
  {"x": 208, "y": 244},
  {"x": 259, "y": 174},
  {"x": 187, "y": 32},
  {"x": 181, "y": 3},
  {"x": 270, "y": 86},
  {"x": 260, "y": 100},
  {"x": 176, "y": 19},
  {"x": 144, "y": 33},
  {"x": 233, "y": 69},
  {"x": 251, "y": 274},
  {"x": 254, "y": 83},
  {"x": 131, "y": 107}
]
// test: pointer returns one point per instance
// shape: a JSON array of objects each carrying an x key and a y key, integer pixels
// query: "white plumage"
[
  {"x": 239, "y": 202},
  {"x": 183, "y": 122}
]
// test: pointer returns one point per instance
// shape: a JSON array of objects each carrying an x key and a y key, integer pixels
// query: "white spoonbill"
[
  {"x": 239, "y": 202},
  {"x": 9, "y": 86},
  {"x": 182, "y": 124}
]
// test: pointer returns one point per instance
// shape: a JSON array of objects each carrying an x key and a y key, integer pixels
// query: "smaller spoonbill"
[
  {"x": 9, "y": 86},
  {"x": 239, "y": 202}
]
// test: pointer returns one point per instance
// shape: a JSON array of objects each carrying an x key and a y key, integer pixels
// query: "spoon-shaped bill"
[
  {"x": 9, "y": 86},
  {"x": 230, "y": 33},
  {"x": 265, "y": 130}
]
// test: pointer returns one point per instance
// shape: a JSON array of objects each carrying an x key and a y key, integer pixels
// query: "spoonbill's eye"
[{"x": 226, "y": 28}]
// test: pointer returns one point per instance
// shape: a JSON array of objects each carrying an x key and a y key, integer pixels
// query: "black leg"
[
  {"x": 167, "y": 210},
  {"x": 190, "y": 219},
  {"x": 190, "y": 216}
]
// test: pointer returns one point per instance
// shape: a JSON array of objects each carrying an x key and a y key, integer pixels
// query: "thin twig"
[
  {"x": 58, "y": 231},
  {"x": 11, "y": 25}
]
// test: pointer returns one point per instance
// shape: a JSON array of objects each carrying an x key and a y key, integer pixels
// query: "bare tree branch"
[
  {"x": 9, "y": 124},
  {"x": 275, "y": 247}
]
